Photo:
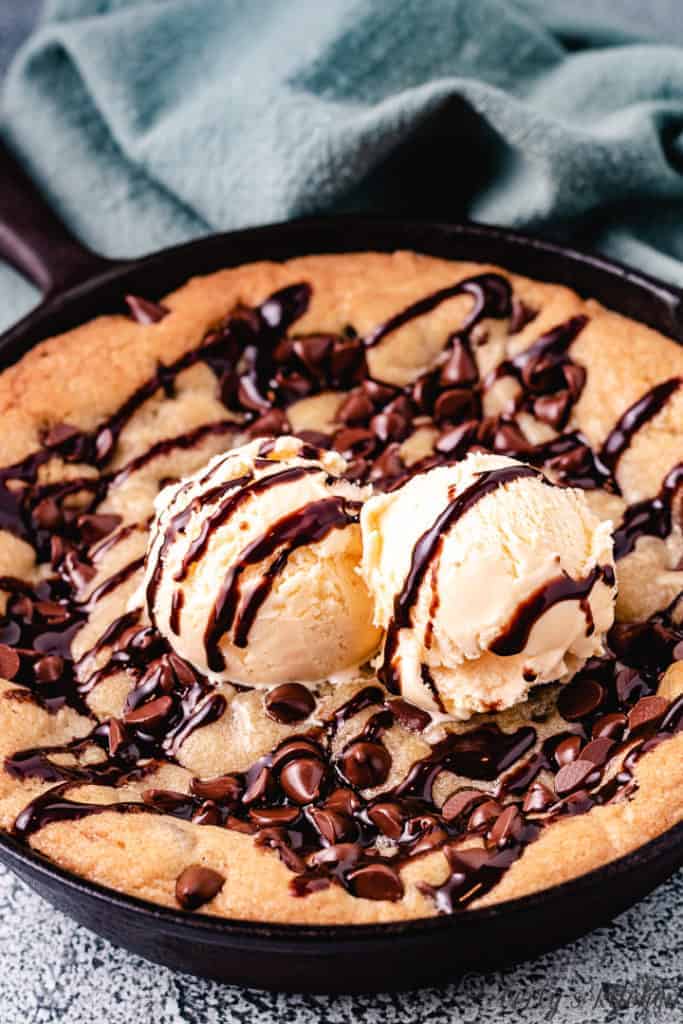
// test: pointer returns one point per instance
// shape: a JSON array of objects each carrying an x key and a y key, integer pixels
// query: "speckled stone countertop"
[{"x": 54, "y": 972}]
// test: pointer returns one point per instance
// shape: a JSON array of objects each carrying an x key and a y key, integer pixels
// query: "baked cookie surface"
[{"x": 339, "y": 803}]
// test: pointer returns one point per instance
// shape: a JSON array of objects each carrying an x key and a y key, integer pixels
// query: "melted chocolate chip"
[
  {"x": 289, "y": 703},
  {"x": 301, "y": 778},
  {"x": 197, "y": 885},
  {"x": 376, "y": 882},
  {"x": 580, "y": 698},
  {"x": 574, "y": 775},
  {"x": 365, "y": 765},
  {"x": 9, "y": 662}
]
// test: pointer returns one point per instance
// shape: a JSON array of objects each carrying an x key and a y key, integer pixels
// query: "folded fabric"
[{"x": 147, "y": 122}]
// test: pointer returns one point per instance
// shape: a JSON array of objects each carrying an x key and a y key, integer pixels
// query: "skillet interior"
[{"x": 340, "y": 959}]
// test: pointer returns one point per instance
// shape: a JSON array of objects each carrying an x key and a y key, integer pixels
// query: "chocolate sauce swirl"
[
  {"x": 491, "y": 294},
  {"x": 426, "y": 550},
  {"x": 635, "y": 417},
  {"x": 307, "y": 525},
  {"x": 515, "y": 636}
]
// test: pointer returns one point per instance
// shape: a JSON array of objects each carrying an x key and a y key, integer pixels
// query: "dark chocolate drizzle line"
[
  {"x": 652, "y": 517},
  {"x": 515, "y": 636},
  {"x": 224, "y": 511},
  {"x": 640, "y": 413},
  {"x": 307, "y": 525},
  {"x": 491, "y": 294},
  {"x": 426, "y": 549},
  {"x": 177, "y": 526}
]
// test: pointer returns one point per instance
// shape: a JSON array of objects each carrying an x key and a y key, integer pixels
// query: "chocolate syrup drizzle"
[
  {"x": 426, "y": 550},
  {"x": 317, "y": 802}
]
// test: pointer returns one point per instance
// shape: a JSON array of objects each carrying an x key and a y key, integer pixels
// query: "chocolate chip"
[
  {"x": 49, "y": 668},
  {"x": 483, "y": 814},
  {"x": 301, "y": 779},
  {"x": 575, "y": 376},
  {"x": 116, "y": 736},
  {"x": 610, "y": 726},
  {"x": 354, "y": 441},
  {"x": 313, "y": 350},
  {"x": 271, "y": 424},
  {"x": 168, "y": 801},
  {"x": 429, "y": 834},
  {"x": 461, "y": 369},
  {"x": 598, "y": 750},
  {"x": 250, "y": 397},
  {"x": 456, "y": 440},
  {"x": 290, "y": 702},
  {"x": 387, "y": 817},
  {"x": 343, "y": 800},
  {"x": 366, "y": 764},
  {"x": 579, "y": 698},
  {"x": 52, "y": 611},
  {"x": 647, "y": 711},
  {"x": 184, "y": 673},
  {"x": 207, "y": 814},
  {"x": 389, "y": 463},
  {"x": 266, "y": 816},
  {"x": 346, "y": 359},
  {"x": 247, "y": 828},
  {"x": 356, "y": 409},
  {"x": 9, "y": 662},
  {"x": 553, "y": 409},
  {"x": 47, "y": 514},
  {"x": 567, "y": 750},
  {"x": 60, "y": 434},
  {"x": 509, "y": 438},
  {"x": 506, "y": 827},
  {"x": 197, "y": 885},
  {"x": 630, "y": 685},
  {"x": 21, "y": 607},
  {"x": 409, "y": 716},
  {"x": 314, "y": 437},
  {"x": 145, "y": 312},
  {"x": 96, "y": 527},
  {"x": 460, "y": 802},
  {"x": 424, "y": 392},
  {"x": 344, "y": 854},
  {"x": 298, "y": 746},
  {"x": 376, "y": 882},
  {"x": 454, "y": 404},
  {"x": 389, "y": 426},
  {"x": 223, "y": 789},
  {"x": 538, "y": 798},
  {"x": 574, "y": 775},
  {"x": 149, "y": 715},
  {"x": 292, "y": 386},
  {"x": 257, "y": 786},
  {"x": 520, "y": 316},
  {"x": 379, "y": 394},
  {"x": 333, "y": 826}
]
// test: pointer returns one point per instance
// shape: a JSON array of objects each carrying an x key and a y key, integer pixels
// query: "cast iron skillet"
[{"x": 78, "y": 285}]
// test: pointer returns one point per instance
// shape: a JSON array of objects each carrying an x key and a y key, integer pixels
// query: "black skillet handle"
[{"x": 33, "y": 239}]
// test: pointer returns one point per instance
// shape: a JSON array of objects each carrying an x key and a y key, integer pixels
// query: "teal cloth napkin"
[{"x": 147, "y": 122}]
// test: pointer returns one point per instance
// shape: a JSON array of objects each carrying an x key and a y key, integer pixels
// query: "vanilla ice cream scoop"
[
  {"x": 488, "y": 579},
  {"x": 252, "y": 567}
]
